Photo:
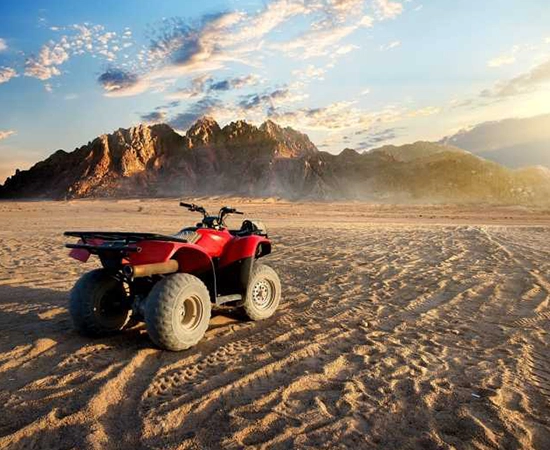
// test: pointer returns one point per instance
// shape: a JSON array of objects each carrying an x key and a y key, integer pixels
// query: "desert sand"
[{"x": 401, "y": 327}]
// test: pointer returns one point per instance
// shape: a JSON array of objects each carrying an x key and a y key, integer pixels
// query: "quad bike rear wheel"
[
  {"x": 177, "y": 312},
  {"x": 263, "y": 294},
  {"x": 98, "y": 304}
]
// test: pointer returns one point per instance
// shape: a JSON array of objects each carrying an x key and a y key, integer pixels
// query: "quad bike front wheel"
[
  {"x": 177, "y": 312},
  {"x": 263, "y": 293},
  {"x": 98, "y": 304}
]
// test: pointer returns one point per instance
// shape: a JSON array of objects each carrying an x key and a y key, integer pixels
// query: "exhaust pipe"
[{"x": 146, "y": 270}]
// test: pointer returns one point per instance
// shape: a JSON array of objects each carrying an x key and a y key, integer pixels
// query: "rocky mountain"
[
  {"x": 242, "y": 159},
  {"x": 514, "y": 143}
]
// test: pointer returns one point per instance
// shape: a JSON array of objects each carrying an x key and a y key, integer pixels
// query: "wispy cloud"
[
  {"x": 271, "y": 100},
  {"x": 504, "y": 59},
  {"x": 310, "y": 72},
  {"x": 387, "y": 9},
  {"x": 346, "y": 115},
  {"x": 335, "y": 116},
  {"x": 233, "y": 83},
  {"x": 205, "y": 84},
  {"x": 6, "y": 74},
  {"x": 375, "y": 138},
  {"x": 6, "y": 134},
  {"x": 317, "y": 42},
  {"x": 390, "y": 46},
  {"x": 335, "y": 21},
  {"x": 3, "y": 45},
  {"x": 196, "y": 88},
  {"x": 424, "y": 112},
  {"x": 522, "y": 84}
]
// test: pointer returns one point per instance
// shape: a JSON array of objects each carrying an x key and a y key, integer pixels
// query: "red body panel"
[
  {"x": 213, "y": 241},
  {"x": 154, "y": 252},
  {"x": 243, "y": 247},
  {"x": 192, "y": 258}
]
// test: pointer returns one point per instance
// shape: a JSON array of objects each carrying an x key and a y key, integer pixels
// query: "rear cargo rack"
[
  {"x": 126, "y": 237},
  {"x": 95, "y": 249}
]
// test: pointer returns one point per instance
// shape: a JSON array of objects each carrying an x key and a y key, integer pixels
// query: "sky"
[{"x": 349, "y": 73}]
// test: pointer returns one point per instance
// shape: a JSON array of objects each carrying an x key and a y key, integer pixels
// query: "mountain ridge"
[
  {"x": 266, "y": 161},
  {"x": 512, "y": 142}
]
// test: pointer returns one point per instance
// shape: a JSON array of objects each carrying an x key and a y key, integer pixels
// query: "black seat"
[{"x": 250, "y": 227}]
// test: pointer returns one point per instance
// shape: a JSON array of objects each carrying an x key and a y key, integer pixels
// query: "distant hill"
[
  {"x": 242, "y": 159},
  {"x": 512, "y": 142}
]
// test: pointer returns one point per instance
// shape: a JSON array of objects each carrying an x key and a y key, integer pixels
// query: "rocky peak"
[
  {"x": 239, "y": 129},
  {"x": 271, "y": 128},
  {"x": 203, "y": 132},
  {"x": 290, "y": 143}
]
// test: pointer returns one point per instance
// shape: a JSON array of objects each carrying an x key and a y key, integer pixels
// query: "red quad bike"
[{"x": 171, "y": 282}]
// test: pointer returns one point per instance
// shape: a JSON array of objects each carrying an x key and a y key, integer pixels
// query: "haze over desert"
[{"x": 400, "y": 327}]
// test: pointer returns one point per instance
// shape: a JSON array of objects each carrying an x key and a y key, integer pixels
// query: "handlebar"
[
  {"x": 192, "y": 207},
  {"x": 228, "y": 210},
  {"x": 211, "y": 221}
]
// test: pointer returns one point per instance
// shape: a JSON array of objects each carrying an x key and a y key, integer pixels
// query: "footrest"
[{"x": 221, "y": 299}]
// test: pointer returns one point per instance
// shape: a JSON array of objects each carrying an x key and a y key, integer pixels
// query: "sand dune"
[{"x": 401, "y": 327}]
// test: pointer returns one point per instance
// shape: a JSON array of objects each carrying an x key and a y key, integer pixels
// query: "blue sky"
[{"x": 350, "y": 73}]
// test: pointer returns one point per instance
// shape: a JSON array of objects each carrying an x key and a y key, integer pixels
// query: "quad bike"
[{"x": 171, "y": 282}]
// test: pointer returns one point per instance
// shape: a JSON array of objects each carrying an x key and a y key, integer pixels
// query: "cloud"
[
  {"x": 205, "y": 84},
  {"x": 389, "y": 46},
  {"x": 234, "y": 83},
  {"x": 321, "y": 41},
  {"x": 207, "y": 106},
  {"x": 366, "y": 21},
  {"x": 315, "y": 43},
  {"x": 183, "y": 48},
  {"x": 6, "y": 74},
  {"x": 335, "y": 116},
  {"x": 424, "y": 112},
  {"x": 335, "y": 20},
  {"x": 154, "y": 117},
  {"x": 522, "y": 84},
  {"x": 270, "y": 100},
  {"x": 375, "y": 138},
  {"x": 345, "y": 115},
  {"x": 117, "y": 81},
  {"x": 78, "y": 39},
  {"x": 505, "y": 59},
  {"x": 3, "y": 45},
  {"x": 196, "y": 89},
  {"x": 500, "y": 61},
  {"x": 45, "y": 65},
  {"x": 310, "y": 72},
  {"x": 6, "y": 134},
  {"x": 387, "y": 9}
]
